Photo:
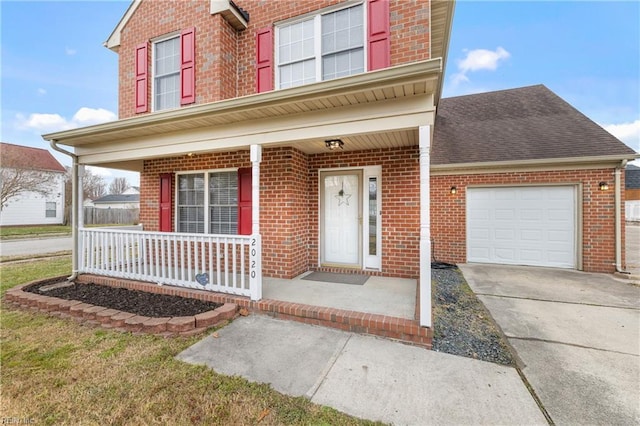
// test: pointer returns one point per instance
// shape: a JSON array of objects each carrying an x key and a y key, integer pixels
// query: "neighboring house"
[
  {"x": 133, "y": 190},
  {"x": 293, "y": 136},
  {"x": 37, "y": 179},
  {"x": 118, "y": 201},
  {"x": 632, "y": 192}
]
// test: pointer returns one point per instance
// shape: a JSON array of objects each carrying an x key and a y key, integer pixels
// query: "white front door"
[{"x": 341, "y": 217}]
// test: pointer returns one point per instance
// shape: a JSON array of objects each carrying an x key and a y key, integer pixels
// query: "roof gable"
[
  {"x": 528, "y": 123},
  {"x": 26, "y": 157}
]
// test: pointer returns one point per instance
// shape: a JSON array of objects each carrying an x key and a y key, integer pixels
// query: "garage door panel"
[
  {"x": 530, "y": 214},
  {"x": 558, "y": 236},
  {"x": 505, "y": 214},
  {"x": 532, "y": 256},
  {"x": 505, "y": 235},
  {"x": 522, "y": 225},
  {"x": 535, "y": 235},
  {"x": 480, "y": 234}
]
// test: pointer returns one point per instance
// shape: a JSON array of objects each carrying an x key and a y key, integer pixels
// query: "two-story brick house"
[
  {"x": 278, "y": 137},
  {"x": 300, "y": 128}
]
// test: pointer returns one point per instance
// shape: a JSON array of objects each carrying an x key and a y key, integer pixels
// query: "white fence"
[
  {"x": 632, "y": 210},
  {"x": 221, "y": 263}
]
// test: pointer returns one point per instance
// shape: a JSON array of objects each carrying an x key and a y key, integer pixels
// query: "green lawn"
[
  {"x": 56, "y": 371},
  {"x": 27, "y": 231}
]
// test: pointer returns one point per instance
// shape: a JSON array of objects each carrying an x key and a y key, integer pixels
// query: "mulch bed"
[
  {"x": 132, "y": 301},
  {"x": 462, "y": 324}
]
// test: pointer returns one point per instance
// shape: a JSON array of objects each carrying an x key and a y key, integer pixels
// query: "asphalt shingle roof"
[
  {"x": 25, "y": 157},
  {"x": 632, "y": 177},
  {"x": 528, "y": 123}
]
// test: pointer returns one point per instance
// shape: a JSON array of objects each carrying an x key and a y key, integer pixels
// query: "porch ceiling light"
[
  {"x": 603, "y": 186},
  {"x": 333, "y": 144}
]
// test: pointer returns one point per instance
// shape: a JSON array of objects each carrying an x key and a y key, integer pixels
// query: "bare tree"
[
  {"x": 93, "y": 186},
  {"x": 16, "y": 181},
  {"x": 119, "y": 185}
]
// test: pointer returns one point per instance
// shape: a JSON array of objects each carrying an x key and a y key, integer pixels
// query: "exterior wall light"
[
  {"x": 603, "y": 186},
  {"x": 334, "y": 144},
  {"x": 453, "y": 190}
]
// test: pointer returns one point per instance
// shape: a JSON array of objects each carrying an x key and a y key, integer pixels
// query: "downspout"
[
  {"x": 618, "y": 220},
  {"x": 74, "y": 208}
]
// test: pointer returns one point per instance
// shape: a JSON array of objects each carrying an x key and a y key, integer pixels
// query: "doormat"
[{"x": 333, "y": 277}]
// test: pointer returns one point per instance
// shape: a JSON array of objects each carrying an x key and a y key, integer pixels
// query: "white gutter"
[
  {"x": 74, "y": 208},
  {"x": 618, "y": 219}
]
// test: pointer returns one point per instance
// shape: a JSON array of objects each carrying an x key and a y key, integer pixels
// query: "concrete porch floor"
[{"x": 394, "y": 297}]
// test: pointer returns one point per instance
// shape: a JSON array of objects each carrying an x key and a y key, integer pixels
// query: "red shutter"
[
  {"x": 142, "y": 77},
  {"x": 244, "y": 201},
  {"x": 188, "y": 66},
  {"x": 379, "y": 35},
  {"x": 264, "y": 60},
  {"x": 166, "y": 185}
]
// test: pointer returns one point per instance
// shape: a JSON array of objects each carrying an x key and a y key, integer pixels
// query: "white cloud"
[
  {"x": 69, "y": 51},
  {"x": 45, "y": 123},
  {"x": 87, "y": 116},
  {"x": 629, "y": 133},
  {"x": 477, "y": 60},
  {"x": 42, "y": 91}
]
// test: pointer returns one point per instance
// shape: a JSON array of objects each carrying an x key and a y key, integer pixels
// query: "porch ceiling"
[{"x": 367, "y": 111}]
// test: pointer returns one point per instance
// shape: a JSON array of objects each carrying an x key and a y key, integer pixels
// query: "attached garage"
[{"x": 526, "y": 225}]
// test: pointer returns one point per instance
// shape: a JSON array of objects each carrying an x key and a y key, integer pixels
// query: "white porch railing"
[{"x": 219, "y": 263}]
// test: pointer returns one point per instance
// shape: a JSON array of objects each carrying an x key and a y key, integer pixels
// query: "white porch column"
[
  {"x": 80, "y": 206},
  {"x": 424, "y": 135},
  {"x": 255, "y": 247},
  {"x": 78, "y": 211}
]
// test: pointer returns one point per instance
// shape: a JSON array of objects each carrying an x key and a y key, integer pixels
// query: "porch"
[{"x": 246, "y": 187}]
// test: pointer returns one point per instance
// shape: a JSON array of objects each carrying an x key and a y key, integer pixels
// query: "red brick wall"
[
  {"x": 225, "y": 58},
  {"x": 216, "y": 48},
  {"x": 448, "y": 212}
]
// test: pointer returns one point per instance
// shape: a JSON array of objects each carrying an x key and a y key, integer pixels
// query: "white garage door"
[{"x": 522, "y": 225}]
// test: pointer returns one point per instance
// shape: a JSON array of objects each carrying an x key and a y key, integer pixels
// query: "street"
[{"x": 23, "y": 247}]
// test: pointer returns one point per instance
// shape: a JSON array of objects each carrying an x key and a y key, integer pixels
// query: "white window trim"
[
  {"x": 55, "y": 209},
  {"x": 154, "y": 41},
  {"x": 206, "y": 173},
  {"x": 317, "y": 36}
]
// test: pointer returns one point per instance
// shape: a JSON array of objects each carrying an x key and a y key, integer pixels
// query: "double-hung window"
[
  {"x": 208, "y": 203},
  {"x": 321, "y": 47},
  {"x": 166, "y": 73},
  {"x": 50, "y": 209}
]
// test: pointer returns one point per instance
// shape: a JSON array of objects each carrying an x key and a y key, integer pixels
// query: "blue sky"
[{"x": 56, "y": 74}]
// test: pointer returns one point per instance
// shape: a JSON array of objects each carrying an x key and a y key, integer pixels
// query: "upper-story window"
[
  {"x": 166, "y": 74},
  {"x": 321, "y": 47}
]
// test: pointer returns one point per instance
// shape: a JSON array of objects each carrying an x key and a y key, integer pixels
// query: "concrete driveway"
[{"x": 577, "y": 336}]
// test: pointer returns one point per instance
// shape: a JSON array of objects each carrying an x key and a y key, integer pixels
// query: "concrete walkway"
[
  {"x": 632, "y": 243},
  {"x": 367, "y": 377},
  {"x": 577, "y": 335}
]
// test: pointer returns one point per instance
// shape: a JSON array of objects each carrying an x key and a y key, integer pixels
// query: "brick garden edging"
[
  {"x": 402, "y": 329},
  {"x": 405, "y": 330},
  {"x": 119, "y": 320}
]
